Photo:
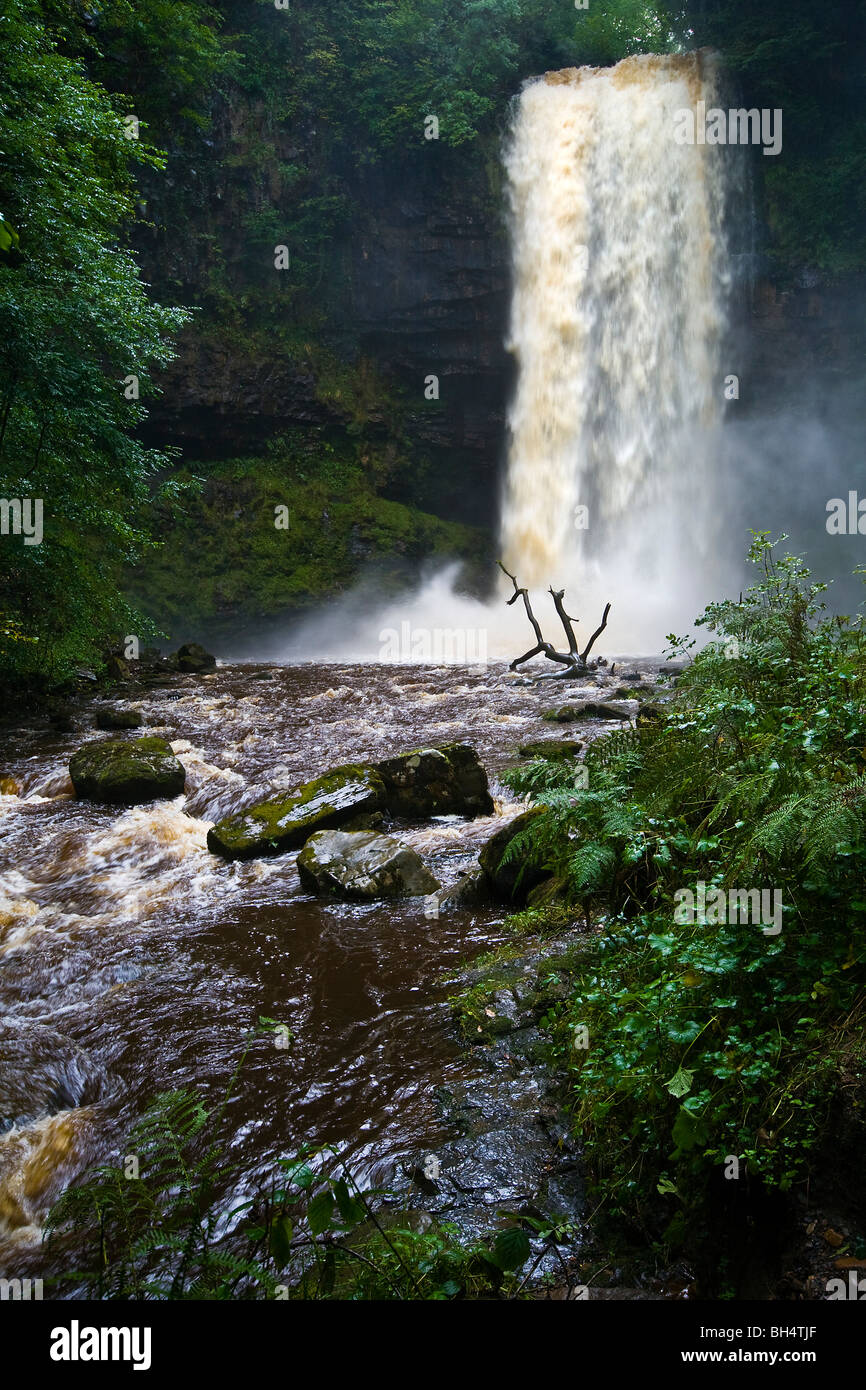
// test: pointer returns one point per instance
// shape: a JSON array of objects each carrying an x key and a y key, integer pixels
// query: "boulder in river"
[
  {"x": 516, "y": 879},
  {"x": 551, "y": 748},
  {"x": 118, "y": 718},
  {"x": 470, "y": 891},
  {"x": 116, "y": 668},
  {"x": 362, "y": 865},
  {"x": 126, "y": 772},
  {"x": 566, "y": 714},
  {"x": 286, "y": 822},
  {"x": 436, "y": 782},
  {"x": 192, "y": 657}
]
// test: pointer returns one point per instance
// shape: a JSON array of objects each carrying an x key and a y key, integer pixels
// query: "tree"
[{"x": 79, "y": 341}]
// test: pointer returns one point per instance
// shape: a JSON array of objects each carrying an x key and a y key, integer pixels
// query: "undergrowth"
[{"x": 705, "y": 1037}]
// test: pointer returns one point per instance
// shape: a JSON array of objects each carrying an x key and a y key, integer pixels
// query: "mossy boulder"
[
  {"x": 286, "y": 822},
  {"x": 126, "y": 772},
  {"x": 118, "y": 718},
  {"x": 436, "y": 782},
  {"x": 361, "y": 865},
  {"x": 554, "y": 749},
  {"x": 514, "y": 880},
  {"x": 192, "y": 657},
  {"x": 566, "y": 714}
]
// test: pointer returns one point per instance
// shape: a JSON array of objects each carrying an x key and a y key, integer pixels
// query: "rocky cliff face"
[{"x": 412, "y": 279}]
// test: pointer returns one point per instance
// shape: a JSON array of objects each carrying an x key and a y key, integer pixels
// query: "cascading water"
[
  {"x": 622, "y": 279},
  {"x": 618, "y": 315}
]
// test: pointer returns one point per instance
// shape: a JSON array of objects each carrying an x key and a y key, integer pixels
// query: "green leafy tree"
[{"x": 79, "y": 343}]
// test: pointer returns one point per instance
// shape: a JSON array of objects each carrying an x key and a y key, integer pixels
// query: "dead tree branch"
[{"x": 574, "y": 659}]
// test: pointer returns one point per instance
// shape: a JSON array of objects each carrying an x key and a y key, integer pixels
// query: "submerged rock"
[
  {"x": 436, "y": 782},
  {"x": 362, "y": 865},
  {"x": 286, "y": 822},
  {"x": 516, "y": 879},
  {"x": 43, "y": 1072},
  {"x": 118, "y": 718},
  {"x": 126, "y": 772}
]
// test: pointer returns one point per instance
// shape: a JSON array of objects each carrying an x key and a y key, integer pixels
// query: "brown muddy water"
[{"x": 133, "y": 961}]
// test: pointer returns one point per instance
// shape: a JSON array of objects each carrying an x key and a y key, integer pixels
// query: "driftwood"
[{"x": 573, "y": 660}]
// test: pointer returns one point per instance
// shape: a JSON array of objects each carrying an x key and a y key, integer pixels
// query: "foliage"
[
  {"x": 75, "y": 322},
  {"x": 224, "y": 559},
  {"x": 718, "y": 1037},
  {"x": 807, "y": 61}
]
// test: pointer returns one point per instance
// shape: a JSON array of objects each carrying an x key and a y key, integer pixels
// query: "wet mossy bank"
[{"x": 263, "y": 541}]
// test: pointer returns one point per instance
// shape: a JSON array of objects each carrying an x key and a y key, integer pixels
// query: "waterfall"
[{"x": 620, "y": 282}]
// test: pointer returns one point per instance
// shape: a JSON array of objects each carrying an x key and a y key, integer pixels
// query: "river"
[{"x": 133, "y": 961}]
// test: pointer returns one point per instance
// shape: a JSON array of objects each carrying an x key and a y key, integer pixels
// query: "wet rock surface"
[
  {"x": 588, "y": 709},
  {"x": 126, "y": 772},
  {"x": 43, "y": 1072},
  {"x": 509, "y": 1150},
  {"x": 436, "y": 782},
  {"x": 515, "y": 878},
  {"x": 362, "y": 865},
  {"x": 284, "y": 823}
]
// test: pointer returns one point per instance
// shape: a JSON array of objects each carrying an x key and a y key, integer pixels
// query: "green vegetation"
[
  {"x": 228, "y": 554},
  {"x": 717, "y": 1038},
  {"x": 75, "y": 321},
  {"x": 806, "y": 60}
]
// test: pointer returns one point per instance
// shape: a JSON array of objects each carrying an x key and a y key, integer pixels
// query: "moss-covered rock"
[
  {"x": 193, "y": 657},
  {"x": 286, "y": 822},
  {"x": 436, "y": 782},
  {"x": 516, "y": 879},
  {"x": 361, "y": 865},
  {"x": 126, "y": 772},
  {"x": 551, "y": 748},
  {"x": 566, "y": 714},
  {"x": 226, "y": 563}
]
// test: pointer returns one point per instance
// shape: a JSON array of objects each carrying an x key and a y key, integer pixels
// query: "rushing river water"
[{"x": 133, "y": 961}]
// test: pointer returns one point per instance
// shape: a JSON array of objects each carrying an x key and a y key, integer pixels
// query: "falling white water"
[
  {"x": 618, "y": 312},
  {"x": 621, "y": 283}
]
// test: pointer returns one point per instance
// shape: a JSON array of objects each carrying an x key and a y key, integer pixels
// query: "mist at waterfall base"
[{"x": 628, "y": 481}]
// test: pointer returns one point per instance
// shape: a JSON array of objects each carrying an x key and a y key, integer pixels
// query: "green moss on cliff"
[{"x": 258, "y": 538}]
